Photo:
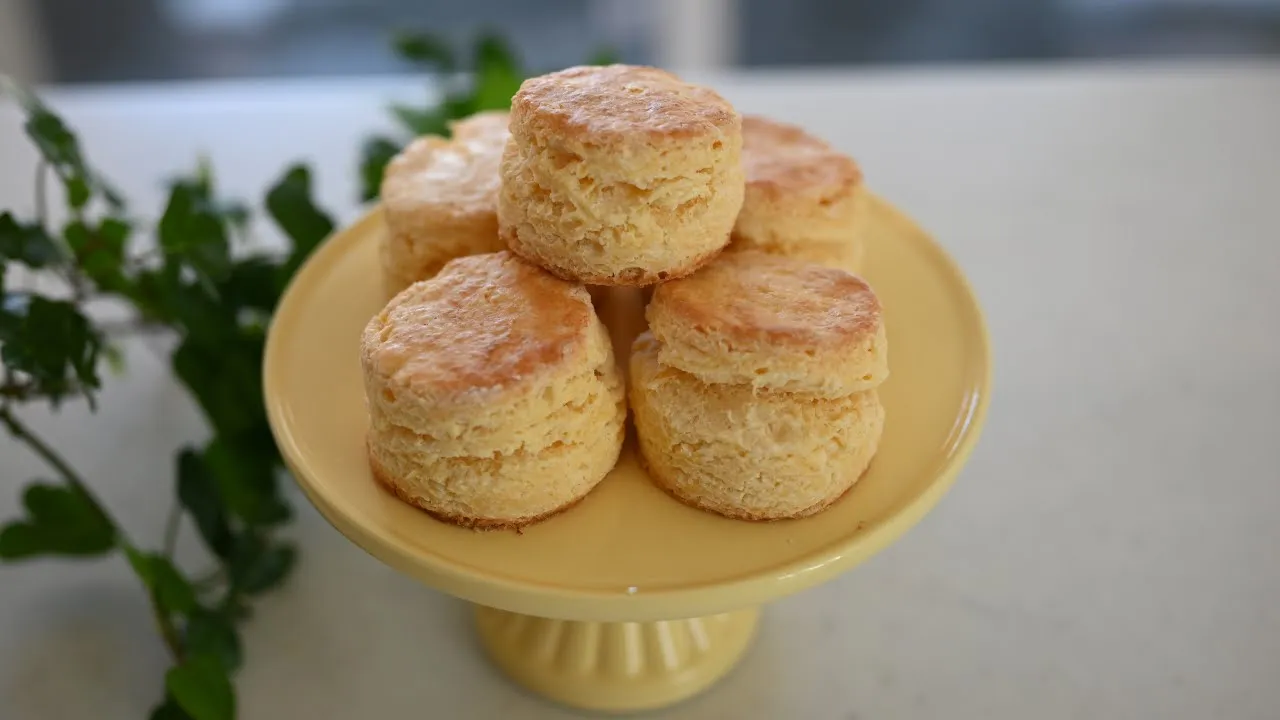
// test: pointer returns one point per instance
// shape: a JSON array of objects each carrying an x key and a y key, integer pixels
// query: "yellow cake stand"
[{"x": 630, "y": 600}]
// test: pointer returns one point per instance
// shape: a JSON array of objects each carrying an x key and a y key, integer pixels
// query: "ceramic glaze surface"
[
  {"x": 629, "y": 552},
  {"x": 620, "y": 666}
]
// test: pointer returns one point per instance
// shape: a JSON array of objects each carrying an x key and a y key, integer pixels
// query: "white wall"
[{"x": 696, "y": 35}]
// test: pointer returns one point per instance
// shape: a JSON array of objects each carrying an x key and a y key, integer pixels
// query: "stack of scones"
[{"x": 494, "y": 396}]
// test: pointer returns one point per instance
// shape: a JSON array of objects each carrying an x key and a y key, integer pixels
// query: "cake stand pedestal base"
[{"x": 616, "y": 666}]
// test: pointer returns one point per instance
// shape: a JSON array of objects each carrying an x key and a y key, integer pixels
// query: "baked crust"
[
  {"x": 774, "y": 323},
  {"x": 439, "y": 199}
]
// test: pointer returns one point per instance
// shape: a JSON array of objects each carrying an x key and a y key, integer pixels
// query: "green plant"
[
  {"x": 195, "y": 277},
  {"x": 495, "y": 75},
  {"x": 215, "y": 302}
]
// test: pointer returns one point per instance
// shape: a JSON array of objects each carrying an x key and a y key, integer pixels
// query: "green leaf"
[
  {"x": 213, "y": 635},
  {"x": 266, "y": 569},
  {"x": 374, "y": 156},
  {"x": 604, "y": 56},
  {"x": 193, "y": 306},
  {"x": 141, "y": 564},
  {"x": 236, "y": 608},
  {"x": 60, "y": 148},
  {"x": 202, "y": 179},
  {"x": 255, "y": 283},
  {"x": 78, "y": 193},
  {"x": 289, "y": 202},
  {"x": 115, "y": 201},
  {"x": 169, "y": 710},
  {"x": 171, "y": 589},
  {"x": 52, "y": 342},
  {"x": 457, "y": 107},
  {"x": 201, "y": 183},
  {"x": 57, "y": 144},
  {"x": 193, "y": 235},
  {"x": 246, "y": 484},
  {"x": 199, "y": 497},
  {"x": 28, "y": 244},
  {"x": 100, "y": 250},
  {"x": 114, "y": 358},
  {"x": 237, "y": 215},
  {"x": 60, "y": 520},
  {"x": 498, "y": 74},
  {"x": 425, "y": 49},
  {"x": 152, "y": 293},
  {"x": 200, "y": 686},
  {"x": 224, "y": 374},
  {"x": 421, "y": 121}
]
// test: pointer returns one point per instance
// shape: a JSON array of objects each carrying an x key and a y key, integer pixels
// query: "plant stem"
[
  {"x": 26, "y": 435},
  {"x": 75, "y": 282},
  {"x": 168, "y": 631},
  {"x": 42, "y": 203},
  {"x": 171, "y": 530}
]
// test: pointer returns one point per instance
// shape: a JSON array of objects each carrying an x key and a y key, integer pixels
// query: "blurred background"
[{"x": 98, "y": 41}]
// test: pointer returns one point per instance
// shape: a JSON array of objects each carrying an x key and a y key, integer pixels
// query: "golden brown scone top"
[
  {"x": 755, "y": 299},
  {"x": 489, "y": 124},
  {"x": 457, "y": 176},
  {"x": 783, "y": 159},
  {"x": 617, "y": 101},
  {"x": 485, "y": 322}
]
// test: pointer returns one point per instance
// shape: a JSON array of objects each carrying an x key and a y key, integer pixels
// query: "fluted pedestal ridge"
[{"x": 616, "y": 666}]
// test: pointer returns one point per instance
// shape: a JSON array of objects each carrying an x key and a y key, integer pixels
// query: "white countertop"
[{"x": 1109, "y": 552}]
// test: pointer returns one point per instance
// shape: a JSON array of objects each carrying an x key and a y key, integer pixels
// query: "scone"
[
  {"x": 804, "y": 198},
  {"x": 439, "y": 200},
  {"x": 754, "y": 391},
  {"x": 773, "y": 323},
  {"x": 746, "y": 454},
  {"x": 620, "y": 175},
  {"x": 493, "y": 396}
]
